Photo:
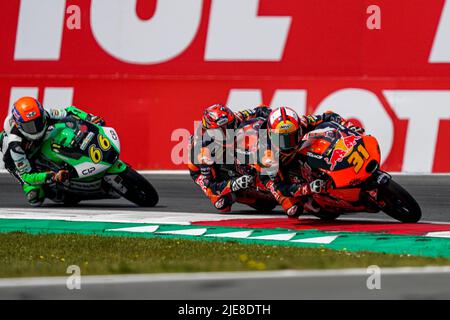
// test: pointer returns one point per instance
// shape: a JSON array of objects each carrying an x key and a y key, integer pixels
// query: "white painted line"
[
  {"x": 125, "y": 216},
  {"x": 348, "y": 217},
  {"x": 187, "y": 232},
  {"x": 235, "y": 234},
  {"x": 320, "y": 240},
  {"x": 207, "y": 276},
  {"x": 439, "y": 234},
  {"x": 150, "y": 217},
  {"x": 278, "y": 237},
  {"x": 146, "y": 229}
]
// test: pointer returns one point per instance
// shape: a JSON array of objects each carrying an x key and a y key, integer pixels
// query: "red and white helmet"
[
  {"x": 218, "y": 116},
  {"x": 284, "y": 129}
]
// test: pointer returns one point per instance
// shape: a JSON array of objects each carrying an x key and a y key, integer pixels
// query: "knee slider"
[{"x": 34, "y": 198}]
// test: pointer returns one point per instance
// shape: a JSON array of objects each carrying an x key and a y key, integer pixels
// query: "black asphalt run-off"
[{"x": 178, "y": 193}]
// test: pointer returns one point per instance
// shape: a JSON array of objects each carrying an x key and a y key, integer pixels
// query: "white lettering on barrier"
[
  {"x": 423, "y": 109},
  {"x": 250, "y": 98},
  {"x": 17, "y": 92},
  {"x": 54, "y": 97},
  {"x": 346, "y": 102},
  {"x": 237, "y": 33},
  {"x": 119, "y": 31},
  {"x": 365, "y": 106},
  {"x": 294, "y": 98},
  {"x": 39, "y": 30},
  {"x": 440, "y": 51},
  {"x": 244, "y": 98},
  {"x": 57, "y": 97}
]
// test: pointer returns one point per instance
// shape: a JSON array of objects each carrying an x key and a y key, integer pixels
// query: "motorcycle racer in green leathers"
[{"x": 23, "y": 133}]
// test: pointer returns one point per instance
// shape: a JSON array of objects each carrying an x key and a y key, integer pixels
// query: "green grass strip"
[{"x": 346, "y": 241}]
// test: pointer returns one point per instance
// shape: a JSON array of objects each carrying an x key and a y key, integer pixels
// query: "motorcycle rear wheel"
[
  {"x": 398, "y": 203},
  {"x": 139, "y": 190}
]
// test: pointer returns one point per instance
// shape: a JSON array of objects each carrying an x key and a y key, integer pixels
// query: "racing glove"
[
  {"x": 263, "y": 111},
  {"x": 242, "y": 182},
  {"x": 61, "y": 176},
  {"x": 95, "y": 120},
  {"x": 317, "y": 186},
  {"x": 355, "y": 129},
  {"x": 293, "y": 212},
  {"x": 331, "y": 116}
]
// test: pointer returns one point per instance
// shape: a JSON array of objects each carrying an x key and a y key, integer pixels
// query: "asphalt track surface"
[
  {"x": 271, "y": 285},
  {"x": 179, "y": 194}
]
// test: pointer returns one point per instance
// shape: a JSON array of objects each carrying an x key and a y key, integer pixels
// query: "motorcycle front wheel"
[
  {"x": 138, "y": 189},
  {"x": 398, "y": 203}
]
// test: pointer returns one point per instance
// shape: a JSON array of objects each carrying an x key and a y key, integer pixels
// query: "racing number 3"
[
  {"x": 95, "y": 153},
  {"x": 356, "y": 158}
]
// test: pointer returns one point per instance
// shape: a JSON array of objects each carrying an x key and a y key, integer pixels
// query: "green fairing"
[
  {"x": 63, "y": 139},
  {"x": 63, "y": 149},
  {"x": 77, "y": 112},
  {"x": 118, "y": 167}
]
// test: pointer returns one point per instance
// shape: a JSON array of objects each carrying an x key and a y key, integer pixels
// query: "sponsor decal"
[
  {"x": 270, "y": 186},
  {"x": 342, "y": 148},
  {"x": 86, "y": 186},
  {"x": 22, "y": 167},
  {"x": 87, "y": 172},
  {"x": 86, "y": 141},
  {"x": 222, "y": 121},
  {"x": 355, "y": 182},
  {"x": 31, "y": 114},
  {"x": 313, "y": 155},
  {"x": 285, "y": 126}
]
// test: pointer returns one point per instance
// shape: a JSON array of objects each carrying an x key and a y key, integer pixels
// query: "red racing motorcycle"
[{"x": 350, "y": 162}]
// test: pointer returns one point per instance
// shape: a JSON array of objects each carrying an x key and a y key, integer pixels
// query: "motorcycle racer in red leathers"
[
  {"x": 210, "y": 156},
  {"x": 285, "y": 130}
]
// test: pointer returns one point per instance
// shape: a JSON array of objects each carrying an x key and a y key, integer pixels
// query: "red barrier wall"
[{"x": 388, "y": 77}]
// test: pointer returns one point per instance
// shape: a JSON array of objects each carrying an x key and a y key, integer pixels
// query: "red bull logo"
[
  {"x": 342, "y": 148},
  {"x": 350, "y": 141}
]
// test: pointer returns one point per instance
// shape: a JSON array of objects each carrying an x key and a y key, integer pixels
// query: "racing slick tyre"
[
  {"x": 398, "y": 203},
  {"x": 327, "y": 216},
  {"x": 71, "y": 202},
  {"x": 263, "y": 206},
  {"x": 139, "y": 190}
]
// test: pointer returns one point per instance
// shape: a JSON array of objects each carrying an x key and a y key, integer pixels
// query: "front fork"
[
  {"x": 378, "y": 179},
  {"x": 113, "y": 177}
]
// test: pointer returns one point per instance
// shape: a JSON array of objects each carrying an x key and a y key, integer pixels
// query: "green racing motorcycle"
[{"x": 90, "y": 153}]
